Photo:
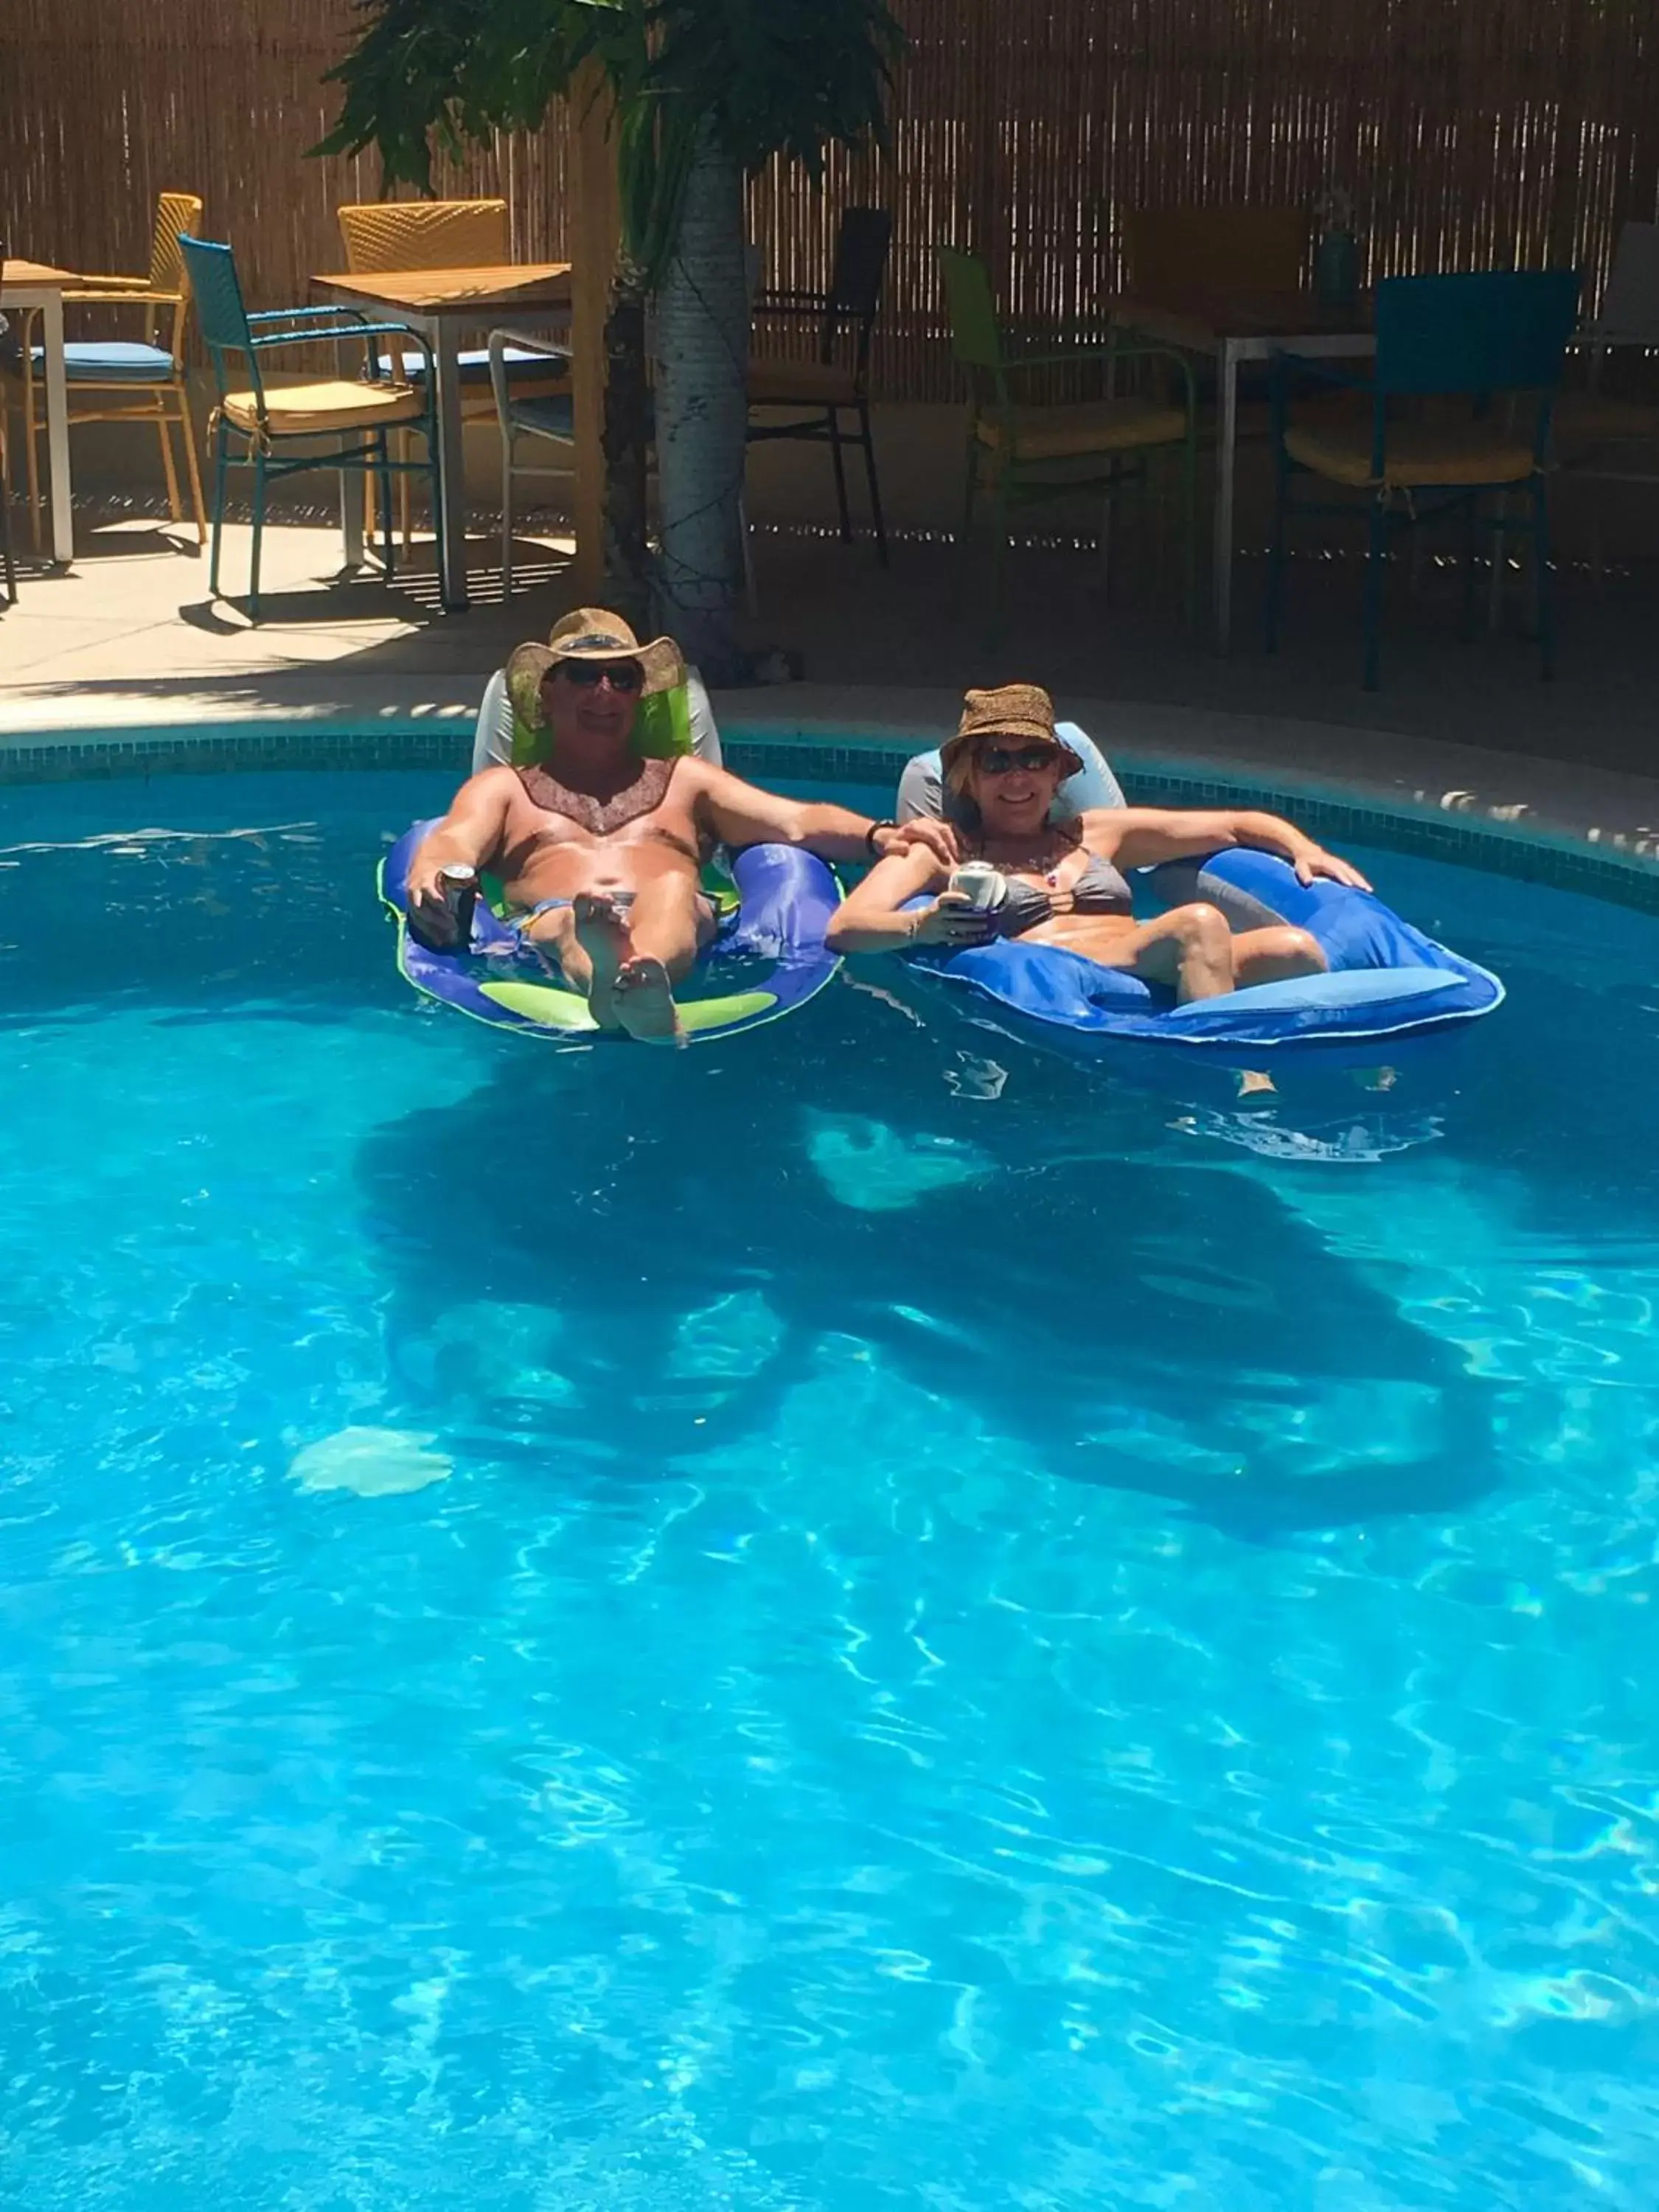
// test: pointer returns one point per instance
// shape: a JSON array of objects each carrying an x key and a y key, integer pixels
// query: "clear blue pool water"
[{"x": 852, "y": 1619}]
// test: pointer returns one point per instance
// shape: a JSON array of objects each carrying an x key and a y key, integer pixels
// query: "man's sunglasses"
[
  {"x": 998, "y": 760},
  {"x": 620, "y": 675}
]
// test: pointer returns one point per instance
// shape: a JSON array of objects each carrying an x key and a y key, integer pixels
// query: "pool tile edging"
[{"x": 1530, "y": 851}]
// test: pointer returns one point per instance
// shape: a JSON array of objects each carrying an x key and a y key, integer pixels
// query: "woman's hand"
[
  {"x": 950, "y": 921},
  {"x": 1313, "y": 860}
]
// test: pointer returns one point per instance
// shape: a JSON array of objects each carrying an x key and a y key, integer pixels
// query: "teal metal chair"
[
  {"x": 268, "y": 418},
  {"x": 1039, "y": 450},
  {"x": 1494, "y": 344}
]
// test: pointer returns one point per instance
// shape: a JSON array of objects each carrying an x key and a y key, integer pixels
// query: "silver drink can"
[
  {"x": 460, "y": 891},
  {"x": 983, "y": 886}
]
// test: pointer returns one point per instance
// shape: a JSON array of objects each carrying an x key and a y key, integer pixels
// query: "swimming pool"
[{"x": 851, "y": 1619}]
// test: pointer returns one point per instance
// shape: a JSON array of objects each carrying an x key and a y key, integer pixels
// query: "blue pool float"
[
  {"x": 767, "y": 958},
  {"x": 1387, "y": 982}
]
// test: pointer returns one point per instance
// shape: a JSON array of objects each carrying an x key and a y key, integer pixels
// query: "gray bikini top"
[{"x": 1101, "y": 889}]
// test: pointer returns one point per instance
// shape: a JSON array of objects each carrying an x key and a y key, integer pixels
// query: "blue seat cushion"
[
  {"x": 553, "y": 414},
  {"x": 112, "y": 361},
  {"x": 475, "y": 365}
]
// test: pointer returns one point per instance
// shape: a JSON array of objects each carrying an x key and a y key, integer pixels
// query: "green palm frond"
[{"x": 772, "y": 77}]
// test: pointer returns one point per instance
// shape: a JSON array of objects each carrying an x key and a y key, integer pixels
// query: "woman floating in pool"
[{"x": 1064, "y": 881}]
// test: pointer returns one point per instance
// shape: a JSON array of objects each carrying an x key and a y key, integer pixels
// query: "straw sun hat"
[
  {"x": 1024, "y": 712},
  {"x": 587, "y": 633}
]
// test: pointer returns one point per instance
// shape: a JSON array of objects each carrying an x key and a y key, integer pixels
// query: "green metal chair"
[
  {"x": 269, "y": 417},
  {"x": 1494, "y": 342},
  {"x": 1038, "y": 451}
]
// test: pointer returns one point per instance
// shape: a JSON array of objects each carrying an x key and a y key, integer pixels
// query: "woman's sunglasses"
[
  {"x": 620, "y": 675},
  {"x": 998, "y": 760}
]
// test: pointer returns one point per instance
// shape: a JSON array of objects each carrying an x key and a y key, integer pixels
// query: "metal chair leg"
[
  {"x": 219, "y": 464},
  {"x": 8, "y": 560},
  {"x": 1376, "y": 550},
  {"x": 970, "y": 489},
  {"x": 406, "y": 453},
  {"x": 383, "y": 477},
  {"x": 841, "y": 478},
  {"x": 187, "y": 432},
  {"x": 164, "y": 432},
  {"x": 1000, "y": 539},
  {"x": 258, "y": 535},
  {"x": 1540, "y": 550},
  {"x": 507, "y": 442},
  {"x": 1273, "y": 607},
  {"x": 430, "y": 433},
  {"x": 750, "y": 593},
  {"x": 868, "y": 443}
]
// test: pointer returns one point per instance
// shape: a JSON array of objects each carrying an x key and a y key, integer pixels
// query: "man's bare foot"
[
  {"x": 602, "y": 932},
  {"x": 645, "y": 1002}
]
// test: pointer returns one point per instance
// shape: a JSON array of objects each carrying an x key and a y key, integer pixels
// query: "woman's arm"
[
  {"x": 1141, "y": 836},
  {"x": 872, "y": 918}
]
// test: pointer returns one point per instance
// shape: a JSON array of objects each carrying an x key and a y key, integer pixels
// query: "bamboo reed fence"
[{"x": 1470, "y": 133}]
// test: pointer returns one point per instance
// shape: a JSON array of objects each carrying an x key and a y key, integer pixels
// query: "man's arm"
[
  {"x": 471, "y": 833},
  {"x": 739, "y": 813}
]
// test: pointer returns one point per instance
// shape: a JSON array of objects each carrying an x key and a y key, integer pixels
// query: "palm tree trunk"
[
  {"x": 702, "y": 415},
  {"x": 625, "y": 436}
]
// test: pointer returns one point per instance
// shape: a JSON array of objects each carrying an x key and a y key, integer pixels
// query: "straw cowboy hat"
[
  {"x": 1024, "y": 712},
  {"x": 587, "y": 633}
]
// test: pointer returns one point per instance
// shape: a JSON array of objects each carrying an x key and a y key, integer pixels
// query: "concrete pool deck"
[{"x": 108, "y": 648}]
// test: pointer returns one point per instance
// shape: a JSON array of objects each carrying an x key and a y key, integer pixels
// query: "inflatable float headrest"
[
  {"x": 922, "y": 791},
  {"x": 669, "y": 723}
]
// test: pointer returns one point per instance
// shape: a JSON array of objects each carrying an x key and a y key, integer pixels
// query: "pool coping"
[{"x": 1581, "y": 829}]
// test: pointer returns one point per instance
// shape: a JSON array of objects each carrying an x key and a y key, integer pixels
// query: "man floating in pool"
[{"x": 604, "y": 848}]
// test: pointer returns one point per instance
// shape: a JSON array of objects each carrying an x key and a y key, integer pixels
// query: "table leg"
[
  {"x": 451, "y": 469},
  {"x": 352, "y": 488},
  {"x": 63, "y": 520},
  {"x": 1225, "y": 445}
]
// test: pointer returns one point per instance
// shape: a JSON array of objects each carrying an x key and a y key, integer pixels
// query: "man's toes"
[{"x": 645, "y": 1002}]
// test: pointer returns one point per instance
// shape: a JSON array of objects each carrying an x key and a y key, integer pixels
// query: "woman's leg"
[
  {"x": 1189, "y": 950},
  {"x": 1275, "y": 955},
  {"x": 1192, "y": 951}
]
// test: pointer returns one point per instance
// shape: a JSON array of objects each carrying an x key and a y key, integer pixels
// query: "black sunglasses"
[
  {"x": 997, "y": 760},
  {"x": 621, "y": 675}
]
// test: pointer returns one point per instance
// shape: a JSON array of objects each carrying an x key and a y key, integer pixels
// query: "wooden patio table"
[
  {"x": 33, "y": 284},
  {"x": 1237, "y": 326},
  {"x": 440, "y": 303}
]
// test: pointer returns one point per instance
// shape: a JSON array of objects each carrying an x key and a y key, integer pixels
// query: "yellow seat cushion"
[
  {"x": 300, "y": 411},
  {"x": 1090, "y": 426},
  {"x": 801, "y": 384},
  {"x": 1449, "y": 453}
]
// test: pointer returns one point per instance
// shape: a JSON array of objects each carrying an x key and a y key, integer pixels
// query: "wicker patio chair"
[
  {"x": 448, "y": 234},
  {"x": 125, "y": 379}
]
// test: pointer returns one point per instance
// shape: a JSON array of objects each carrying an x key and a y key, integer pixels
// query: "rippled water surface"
[{"x": 852, "y": 1618}]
